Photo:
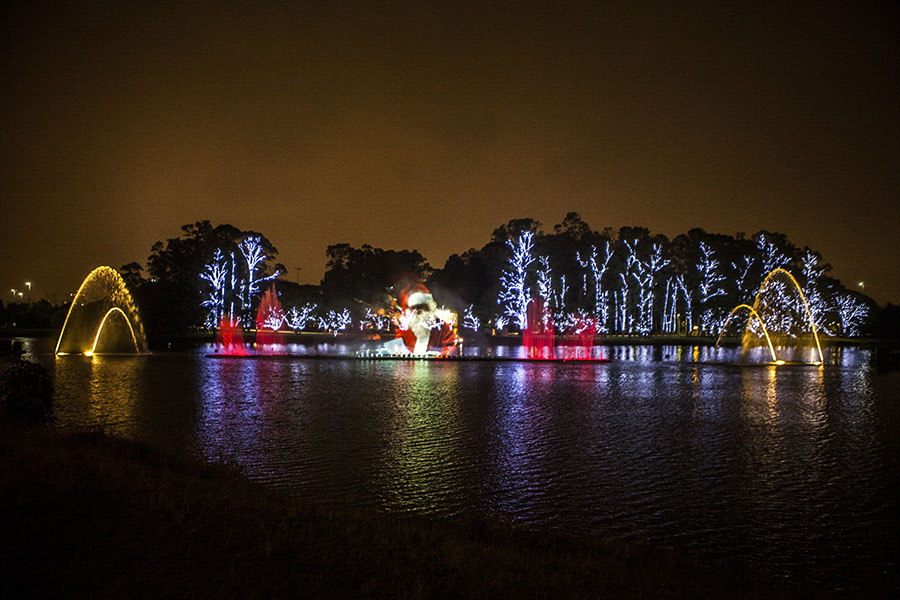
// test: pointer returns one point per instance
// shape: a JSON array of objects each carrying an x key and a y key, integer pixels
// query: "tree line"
[{"x": 628, "y": 281}]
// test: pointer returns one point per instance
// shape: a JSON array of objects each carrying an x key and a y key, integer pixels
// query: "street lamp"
[{"x": 862, "y": 285}]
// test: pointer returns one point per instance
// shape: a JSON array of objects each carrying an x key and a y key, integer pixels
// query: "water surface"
[{"x": 792, "y": 470}]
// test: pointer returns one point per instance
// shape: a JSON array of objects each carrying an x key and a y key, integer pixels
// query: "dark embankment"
[{"x": 91, "y": 516}]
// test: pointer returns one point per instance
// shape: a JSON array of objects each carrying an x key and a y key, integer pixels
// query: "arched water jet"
[
  {"x": 114, "y": 309},
  {"x": 102, "y": 293},
  {"x": 753, "y": 313},
  {"x": 812, "y": 324}
]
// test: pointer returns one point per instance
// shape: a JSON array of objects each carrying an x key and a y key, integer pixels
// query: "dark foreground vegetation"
[{"x": 91, "y": 516}]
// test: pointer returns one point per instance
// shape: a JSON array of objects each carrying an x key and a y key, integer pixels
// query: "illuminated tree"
[
  {"x": 598, "y": 266},
  {"x": 813, "y": 271},
  {"x": 622, "y": 313},
  {"x": 470, "y": 321},
  {"x": 172, "y": 297},
  {"x": 688, "y": 298},
  {"x": 560, "y": 303},
  {"x": 771, "y": 256},
  {"x": 650, "y": 273},
  {"x": 254, "y": 253},
  {"x": 514, "y": 293},
  {"x": 272, "y": 317},
  {"x": 234, "y": 286},
  {"x": 742, "y": 281},
  {"x": 545, "y": 278},
  {"x": 644, "y": 273},
  {"x": 336, "y": 321},
  {"x": 297, "y": 318},
  {"x": 710, "y": 287},
  {"x": 215, "y": 273},
  {"x": 377, "y": 320},
  {"x": 783, "y": 309},
  {"x": 852, "y": 312},
  {"x": 670, "y": 305}
]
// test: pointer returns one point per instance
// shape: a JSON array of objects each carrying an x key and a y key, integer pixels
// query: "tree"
[
  {"x": 515, "y": 228},
  {"x": 813, "y": 270},
  {"x": 710, "y": 287},
  {"x": 515, "y": 294},
  {"x": 216, "y": 274},
  {"x": 853, "y": 313},
  {"x": 599, "y": 264},
  {"x": 256, "y": 253},
  {"x": 176, "y": 295},
  {"x": 132, "y": 273},
  {"x": 573, "y": 227},
  {"x": 774, "y": 249},
  {"x": 368, "y": 277}
]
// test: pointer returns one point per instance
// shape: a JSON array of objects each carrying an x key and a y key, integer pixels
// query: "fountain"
[
  {"x": 773, "y": 314},
  {"x": 269, "y": 319},
  {"x": 102, "y": 318},
  {"x": 762, "y": 324},
  {"x": 538, "y": 337},
  {"x": 231, "y": 337}
]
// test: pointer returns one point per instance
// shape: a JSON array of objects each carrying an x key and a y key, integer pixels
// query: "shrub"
[{"x": 26, "y": 393}]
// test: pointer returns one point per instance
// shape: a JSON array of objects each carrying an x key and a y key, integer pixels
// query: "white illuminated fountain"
[{"x": 102, "y": 319}]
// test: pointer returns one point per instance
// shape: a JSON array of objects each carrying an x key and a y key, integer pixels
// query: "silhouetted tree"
[{"x": 357, "y": 278}]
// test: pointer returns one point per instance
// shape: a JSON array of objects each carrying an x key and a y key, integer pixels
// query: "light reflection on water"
[{"x": 788, "y": 468}]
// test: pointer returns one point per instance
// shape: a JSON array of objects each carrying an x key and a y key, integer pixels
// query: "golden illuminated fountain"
[
  {"x": 102, "y": 319},
  {"x": 772, "y": 306}
]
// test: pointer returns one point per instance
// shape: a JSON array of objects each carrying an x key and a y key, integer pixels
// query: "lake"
[{"x": 792, "y": 470}]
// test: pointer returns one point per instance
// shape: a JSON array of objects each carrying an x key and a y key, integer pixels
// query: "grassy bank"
[{"x": 92, "y": 516}]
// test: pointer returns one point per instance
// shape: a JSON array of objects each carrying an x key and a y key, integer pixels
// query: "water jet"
[
  {"x": 93, "y": 324},
  {"x": 764, "y": 309}
]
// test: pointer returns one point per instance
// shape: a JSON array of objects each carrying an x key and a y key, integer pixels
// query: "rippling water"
[{"x": 790, "y": 469}]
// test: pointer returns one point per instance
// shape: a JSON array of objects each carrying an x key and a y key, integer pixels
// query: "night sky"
[{"x": 415, "y": 127}]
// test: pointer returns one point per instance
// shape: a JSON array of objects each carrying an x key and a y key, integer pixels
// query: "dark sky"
[{"x": 425, "y": 128}]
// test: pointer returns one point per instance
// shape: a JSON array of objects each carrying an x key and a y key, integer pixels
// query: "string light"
[{"x": 515, "y": 295}]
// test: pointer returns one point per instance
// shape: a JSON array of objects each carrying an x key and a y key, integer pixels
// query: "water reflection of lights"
[
  {"x": 718, "y": 460},
  {"x": 771, "y": 391},
  {"x": 518, "y": 473},
  {"x": 424, "y": 452},
  {"x": 98, "y": 392},
  {"x": 230, "y": 413}
]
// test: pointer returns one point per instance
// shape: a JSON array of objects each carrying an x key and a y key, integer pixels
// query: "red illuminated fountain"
[
  {"x": 538, "y": 337},
  {"x": 231, "y": 337},
  {"x": 269, "y": 319}
]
